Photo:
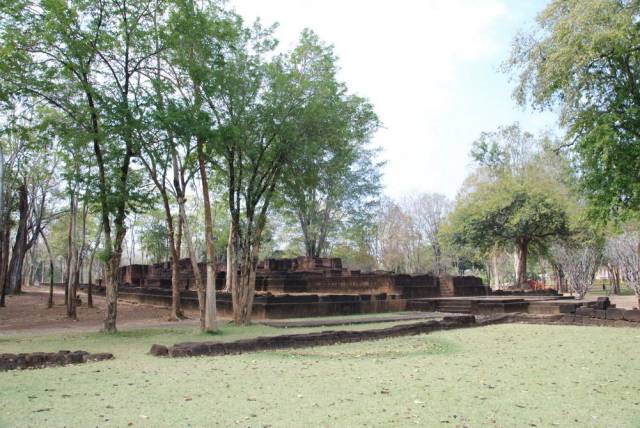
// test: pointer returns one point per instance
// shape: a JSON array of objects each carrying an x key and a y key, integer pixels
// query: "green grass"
[{"x": 502, "y": 376}]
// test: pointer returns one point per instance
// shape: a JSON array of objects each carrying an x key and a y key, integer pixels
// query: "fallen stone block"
[
  {"x": 632, "y": 315},
  {"x": 37, "y": 360},
  {"x": 159, "y": 350}
]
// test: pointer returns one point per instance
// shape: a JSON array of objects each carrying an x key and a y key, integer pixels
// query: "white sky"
[{"x": 430, "y": 68}]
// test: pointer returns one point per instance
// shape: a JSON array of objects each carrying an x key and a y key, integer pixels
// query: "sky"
[{"x": 431, "y": 68}]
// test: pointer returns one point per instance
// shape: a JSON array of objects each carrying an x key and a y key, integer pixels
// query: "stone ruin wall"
[{"x": 309, "y": 275}]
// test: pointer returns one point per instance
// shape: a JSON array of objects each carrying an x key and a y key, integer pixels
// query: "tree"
[
  {"x": 579, "y": 264},
  {"x": 395, "y": 238},
  {"x": 200, "y": 37},
  {"x": 33, "y": 166},
  {"x": 428, "y": 213},
  {"x": 584, "y": 58},
  {"x": 508, "y": 213},
  {"x": 625, "y": 250},
  {"x": 248, "y": 106},
  {"x": 337, "y": 180},
  {"x": 87, "y": 60}
]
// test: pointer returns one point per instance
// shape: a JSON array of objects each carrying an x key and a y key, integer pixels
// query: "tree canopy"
[{"x": 583, "y": 58}]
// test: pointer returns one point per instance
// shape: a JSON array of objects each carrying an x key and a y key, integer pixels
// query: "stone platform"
[
  {"x": 278, "y": 306},
  {"x": 486, "y": 305},
  {"x": 299, "y": 287}
]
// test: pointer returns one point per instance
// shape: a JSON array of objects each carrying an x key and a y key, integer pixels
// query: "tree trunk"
[
  {"x": 3, "y": 225},
  {"x": 210, "y": 324},
  {"x": 111, "y": 292},
  {"x": 91, "y": 258},
  {"x": 73, "y": 257},
  {"x": 112, "y": 269},
  {"x": 194, "y": 263},
  {"x": 69, "y": 267},
  {"x": 90, "y": 287},
  {"x": 230, "y": 263},
  {"x": 243, "y": 294},
  {"x": 495, "y": 271},
  {"x": 174, "y": 248},
  {"x": 522, "y": 250},
  {"x": 46, "y": 244},
  {"x": 244, "y": 291},
  {"x": 27, "y": 274},
  {"x": 176, "y": 311},
  {"x": 4, "y": 268},
  {"x": 20, "y": 246}
]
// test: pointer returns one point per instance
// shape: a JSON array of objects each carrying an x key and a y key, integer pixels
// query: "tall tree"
[
  {"x": 261, "y": 134},
  {"x": 584, "y": 59},
  {"x": 199, "y": 38},
  {"x": 428, "y": 213},
  {"x": 508, "y": 213},
  {"x": 336, "y": 180},
  {"x": 86, "y": 59},
  {"x": 624, "y": 248}
]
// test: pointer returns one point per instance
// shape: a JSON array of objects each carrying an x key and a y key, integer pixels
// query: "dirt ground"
[
  {"x": 624, "y": 302},
  {"x": 28, "y": 312}
]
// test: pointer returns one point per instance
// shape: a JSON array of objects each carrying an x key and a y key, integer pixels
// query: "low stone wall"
[
  {"x": 610, "y": 314},
  {"x": 192, "y": 349},
  {"x": 275, "y": 306},
  {"x": 38, "y": 360}
]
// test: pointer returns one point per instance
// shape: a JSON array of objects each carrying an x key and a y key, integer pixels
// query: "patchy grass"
[
  {"x": 597, "y": 290},
  {"x": 506, "y": 375}
]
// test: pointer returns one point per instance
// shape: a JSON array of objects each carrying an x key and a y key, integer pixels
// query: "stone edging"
[
  {"x": 38, "y": 360},
  {"x": 192, "y": 349}
]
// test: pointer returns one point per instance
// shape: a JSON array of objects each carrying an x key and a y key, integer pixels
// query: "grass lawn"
[{"x": 505, "y": 375}]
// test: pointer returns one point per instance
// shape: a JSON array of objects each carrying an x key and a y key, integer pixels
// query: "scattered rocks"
[{"x": 37, "y": 360}]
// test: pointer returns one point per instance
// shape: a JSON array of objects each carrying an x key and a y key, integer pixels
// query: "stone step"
[
  {"x": 455, "y": 307},
  {"x": 455, "y": 303},
  {"x": 455, "y": 310}
]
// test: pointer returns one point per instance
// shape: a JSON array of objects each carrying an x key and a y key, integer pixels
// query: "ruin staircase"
[{"x": 446, "y": 286}]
